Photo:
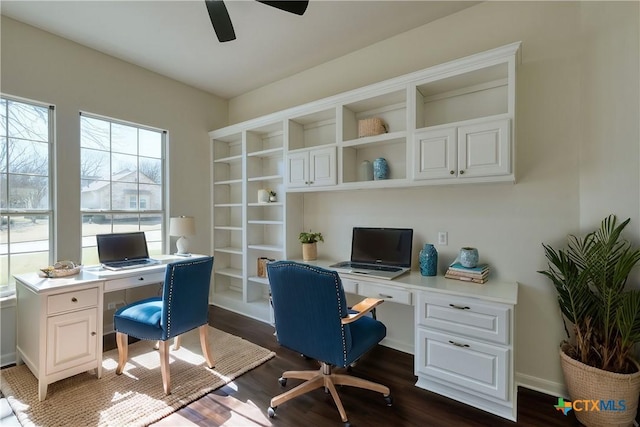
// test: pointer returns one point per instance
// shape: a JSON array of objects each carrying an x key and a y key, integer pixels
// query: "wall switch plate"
[
  {"x": 443, "y": 238},
  {"x": 111, "y": 306}
]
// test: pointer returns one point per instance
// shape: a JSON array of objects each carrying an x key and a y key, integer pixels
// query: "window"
[
  {"x": 26, "y": 217},
  {"x": 122, "y": 178}
]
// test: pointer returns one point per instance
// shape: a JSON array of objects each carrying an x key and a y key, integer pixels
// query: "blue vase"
[
  {"x": 380, "y": 169},
  {"x": 469, "y": 257},
  {"x": 428, "y": 260}
]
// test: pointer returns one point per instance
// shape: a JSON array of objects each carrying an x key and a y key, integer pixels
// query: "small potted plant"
[{"x": 309, "y": 244}]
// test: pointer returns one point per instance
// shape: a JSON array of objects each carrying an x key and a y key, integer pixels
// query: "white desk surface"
[
  {"x": 493, "y": 290},
  {"x": 94, "y": 273}
]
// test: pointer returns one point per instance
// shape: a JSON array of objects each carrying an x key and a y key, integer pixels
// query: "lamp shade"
[{"x": 182, "y": 226}]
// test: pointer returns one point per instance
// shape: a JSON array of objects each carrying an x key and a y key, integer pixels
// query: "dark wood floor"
[{"x": 245, "y": 400}]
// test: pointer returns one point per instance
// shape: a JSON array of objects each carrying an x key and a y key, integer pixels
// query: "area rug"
[{"x": 134, "y": 398}]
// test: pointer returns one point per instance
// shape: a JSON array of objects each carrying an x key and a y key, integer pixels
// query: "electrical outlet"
[
  {"x": 111, "y": 306},
  {"x": 443, "y": 238}
]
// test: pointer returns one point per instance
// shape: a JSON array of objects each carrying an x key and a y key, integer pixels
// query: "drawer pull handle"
[
  {"x": 460, "y": 307},
  {"x": 74, "y": 299},
  {"x": 141, "y": 278},
  {"x": 457, "y": 344},
  {"x": 385, "y": 296}
]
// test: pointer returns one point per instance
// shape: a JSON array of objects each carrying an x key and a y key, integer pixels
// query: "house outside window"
[
  {"x": 122, "y": 182},
  {"x": 26, "y": 188}
]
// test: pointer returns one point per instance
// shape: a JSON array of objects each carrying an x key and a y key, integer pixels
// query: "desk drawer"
[
  {"x": 475, "y": 366},
  {"x": 387, "y": 293},
  {"x": 480, "y": 320},
  {"x": 73, "y": 300},
  {"x": 133, "y": 281}
]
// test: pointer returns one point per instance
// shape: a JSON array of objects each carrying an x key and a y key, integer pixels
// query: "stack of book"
[{"x": 477, "y": 274}]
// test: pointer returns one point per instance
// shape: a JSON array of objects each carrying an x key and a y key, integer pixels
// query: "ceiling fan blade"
[
  {"x": 297, "y": 7},
  {"x": 220, "y": 20}
]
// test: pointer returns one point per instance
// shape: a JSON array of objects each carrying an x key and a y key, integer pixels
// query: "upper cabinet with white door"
[
  {"x": 464, "y": 119},
  {"x": 311, "y": 158}
]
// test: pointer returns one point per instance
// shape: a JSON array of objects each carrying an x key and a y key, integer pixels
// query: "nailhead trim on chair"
[
  {"x": 337, "y": 285},
  {"x": 173, "y": 272}
]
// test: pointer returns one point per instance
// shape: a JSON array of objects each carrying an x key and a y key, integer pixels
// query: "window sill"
[{"x": 8, "y": 301}]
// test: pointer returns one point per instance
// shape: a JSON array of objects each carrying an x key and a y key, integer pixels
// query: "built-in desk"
[
  {"x": 464, "y": 334},
  {"x": 59, "y": 321}
]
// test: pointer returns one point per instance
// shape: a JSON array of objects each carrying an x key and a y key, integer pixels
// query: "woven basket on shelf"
[
  {"x": 370, "y": 127},
  {"x": 585, "y": 382}
]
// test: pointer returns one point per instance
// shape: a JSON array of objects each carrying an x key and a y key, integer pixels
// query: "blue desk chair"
[
  {"x": 312, "y": 318},
  {"x": 184, "y": 306}
]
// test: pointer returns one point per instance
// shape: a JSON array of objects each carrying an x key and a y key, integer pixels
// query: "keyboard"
[
  {"x": 132, "y": 263},
  {"x": 372, "y": 267}
]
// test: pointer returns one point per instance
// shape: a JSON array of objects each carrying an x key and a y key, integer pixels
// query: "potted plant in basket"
[
  {"x": 309, "y": 244},
  {"x": 598, "y": 359}
]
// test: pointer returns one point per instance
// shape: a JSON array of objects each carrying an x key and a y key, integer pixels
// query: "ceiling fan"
[{"x": 222, "y": 22}]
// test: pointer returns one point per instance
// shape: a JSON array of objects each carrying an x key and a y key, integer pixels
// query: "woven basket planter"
[{"x": 585, "y": 382}]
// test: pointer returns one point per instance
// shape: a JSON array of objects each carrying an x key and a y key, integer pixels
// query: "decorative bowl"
[{"x": 61, "y": 269}]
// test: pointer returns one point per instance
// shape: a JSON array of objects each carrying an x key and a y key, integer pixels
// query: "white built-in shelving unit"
[{"x": 452, "y": 123}]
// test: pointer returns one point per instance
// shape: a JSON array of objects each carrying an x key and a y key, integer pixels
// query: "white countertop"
[
  {"x": 94, "y": 273},
  {"x": 492, "y": 290}
]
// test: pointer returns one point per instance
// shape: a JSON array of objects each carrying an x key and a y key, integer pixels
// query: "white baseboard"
[
  {"x": 397, "y": 345},
  {"x": 7, "y": 359},
  {"x": 543, "y": 386},
  {"x": 108, "y": 328}
]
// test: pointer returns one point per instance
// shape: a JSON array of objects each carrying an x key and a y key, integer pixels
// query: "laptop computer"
[
  {"x": 119, "y": 251},
  {"x": 383, "y": 253}
]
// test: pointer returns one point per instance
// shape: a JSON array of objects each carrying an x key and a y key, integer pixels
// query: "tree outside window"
[{"x": 26, "y": 141}]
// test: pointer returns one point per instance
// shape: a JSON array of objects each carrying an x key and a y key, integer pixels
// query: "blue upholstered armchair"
[
  {"x": 312, "y": 318},
  {"x": 184, "y": 306}
]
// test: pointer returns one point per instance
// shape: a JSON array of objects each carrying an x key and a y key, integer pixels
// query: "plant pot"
[
  {"x": 309, "y": 251},
  {"x": 585, "y": 382}
]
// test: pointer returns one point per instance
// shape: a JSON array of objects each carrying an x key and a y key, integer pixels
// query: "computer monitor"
[{"x": 387, "y": 246}]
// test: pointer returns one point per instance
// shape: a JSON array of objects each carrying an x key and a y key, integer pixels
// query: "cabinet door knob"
[
  {"x": 141, "y": 278},
  {"x": 457, "y": 344},
  {"x": 93, "y": 334},
  {"x": 452, "y": 172},
  {"x": 74, "y": 299},
  {"x": 460, "y": 307},
  {"x": 461, "y": 172}
]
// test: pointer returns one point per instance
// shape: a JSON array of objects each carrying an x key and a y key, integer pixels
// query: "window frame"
[
  {"x": 8, "y": 290},
  {"x": 137, "y": 210}
]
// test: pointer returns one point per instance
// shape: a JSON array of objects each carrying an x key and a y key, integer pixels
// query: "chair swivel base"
[{"x": 324, "y": 378}]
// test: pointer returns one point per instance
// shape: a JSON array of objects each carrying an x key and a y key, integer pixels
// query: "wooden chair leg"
[
  {"x": 122, "y": 340},
  {"x": 204, "y": 343},
  {"x": 316, "y": 382},
  {"x": 164, "y": 366},
  {"x": 177, "y": 342},
  {"x": 336, "y": 399}
]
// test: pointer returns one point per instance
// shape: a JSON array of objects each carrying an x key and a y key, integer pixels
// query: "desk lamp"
[{"x": 182, "y": 226}]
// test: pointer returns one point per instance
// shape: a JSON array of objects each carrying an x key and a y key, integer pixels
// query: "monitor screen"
[
  {"x": 122, "y": 246},
  {"x": 389, "y": 246}
]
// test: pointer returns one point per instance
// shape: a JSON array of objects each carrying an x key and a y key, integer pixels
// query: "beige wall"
[
  {"x": 577, "y": 152},
  {"x": 40, "y": 66}
]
